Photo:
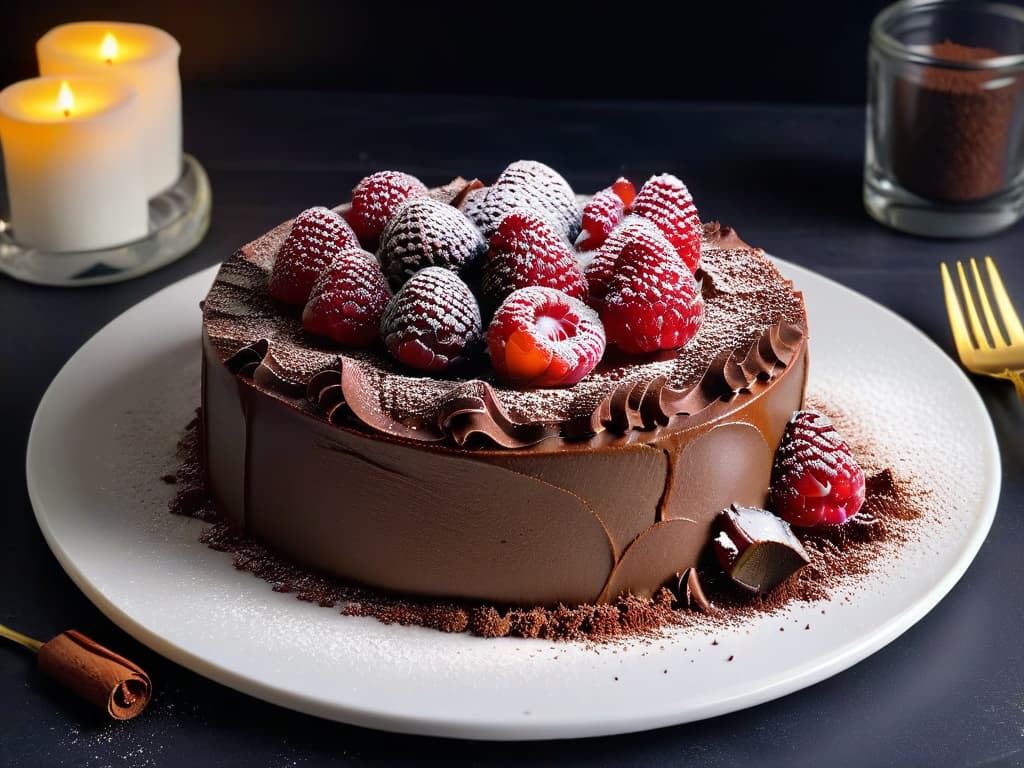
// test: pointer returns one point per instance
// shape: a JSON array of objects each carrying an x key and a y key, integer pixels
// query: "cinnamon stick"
[{"x": 96, "y": 673}]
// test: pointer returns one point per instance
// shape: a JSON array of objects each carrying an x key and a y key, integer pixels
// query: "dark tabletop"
[{"x": 949, "y": 692}]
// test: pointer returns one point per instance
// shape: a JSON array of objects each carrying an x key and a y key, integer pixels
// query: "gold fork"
[{"x": 991, "y": 355}]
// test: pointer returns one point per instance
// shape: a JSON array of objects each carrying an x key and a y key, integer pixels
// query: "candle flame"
[
  {"x": 108, "y": 48},
  {"x": 65, "y": 99}
]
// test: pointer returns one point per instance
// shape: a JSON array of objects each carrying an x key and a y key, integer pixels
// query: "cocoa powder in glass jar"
[{"x": 951, "y": 128}]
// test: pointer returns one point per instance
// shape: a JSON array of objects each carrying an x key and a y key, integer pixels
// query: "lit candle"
[
  {"x": 142, "y": 56},
  {"x": 73, "y": 159}
]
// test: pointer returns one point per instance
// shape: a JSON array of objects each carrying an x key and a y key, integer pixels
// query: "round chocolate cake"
[{"x": 464, "y": 486}]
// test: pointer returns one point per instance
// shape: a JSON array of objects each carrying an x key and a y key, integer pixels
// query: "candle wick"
[
  {"x": 110, "y": 61},
  {"x": 67, "y": 113}
]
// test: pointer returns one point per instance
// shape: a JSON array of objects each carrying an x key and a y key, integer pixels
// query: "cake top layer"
[{"x": 753, "y": 326}]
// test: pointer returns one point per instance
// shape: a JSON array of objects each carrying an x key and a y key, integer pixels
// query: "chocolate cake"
[{"x": 462, "y": 486}]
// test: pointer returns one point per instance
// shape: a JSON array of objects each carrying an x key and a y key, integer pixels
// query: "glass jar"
[{"x": 945, "y": 118}]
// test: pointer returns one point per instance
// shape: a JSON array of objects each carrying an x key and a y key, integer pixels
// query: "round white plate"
[{"x": 105, "y": 432}]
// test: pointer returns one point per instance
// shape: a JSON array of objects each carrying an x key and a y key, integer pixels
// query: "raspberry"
[
  {"x": 433, "y": 323},
  {"x": 666, "y": 201},
  {"x": 540, "y": 337},
  {"x": 601, "y": 268},
  {"x": 625, "y": 190},
  {"x": 426, "y": 233},
  {"x": 318, "y": 235},
  {"x": 347, "y": 301},
  {"x": 653, "y": 301},
  {"x": 537, "y": 188},
  {"x": 600, "y": 215},
  {"x": 375, "y": 200},
  {"x": 815, "y": 479},
  {"x": 526, "y": 251}
]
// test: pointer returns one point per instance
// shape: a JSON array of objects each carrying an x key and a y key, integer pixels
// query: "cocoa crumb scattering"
[{"x": 889, "y": 516}]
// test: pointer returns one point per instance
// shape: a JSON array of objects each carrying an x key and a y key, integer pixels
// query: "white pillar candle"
[
  {"x": 142, "y": 56},
  {"x": 73, "y": 159}
]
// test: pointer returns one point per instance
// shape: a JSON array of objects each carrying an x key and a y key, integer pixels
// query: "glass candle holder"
[{"x": 945, "y": 118}]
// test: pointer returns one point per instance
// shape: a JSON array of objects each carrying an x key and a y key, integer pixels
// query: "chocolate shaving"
[{"x": 97, "y": 674}]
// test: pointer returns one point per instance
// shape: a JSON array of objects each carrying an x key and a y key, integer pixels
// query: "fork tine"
[
  {"x": 986, "y": 307},
  {"x": 1009, "y": 315},
  {"x": 956, "y": 317},
  {"x": 972, "y": 314}
]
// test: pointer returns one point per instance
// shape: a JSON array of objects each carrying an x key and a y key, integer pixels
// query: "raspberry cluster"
[{"x": 558, "y": 283}]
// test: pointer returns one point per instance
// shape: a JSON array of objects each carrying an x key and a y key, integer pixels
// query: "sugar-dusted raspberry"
[
  {"x": 667, "y": 202},
  {"x": 433, "y": 323},
  {"x": 815, "y": 479},
  {"x": 375, "y": 200},
  {"x": 540, "y": 337},
  {"x": 426, "y": 233},
  {"x": 653, "y": 301},
  {"x": 526, "y": 251},
  {"x": 348, "y": 299},
  {"x": 537, "y": 188},
  {"x": 625, "y": 190},
  {"x": 602, "y": 266},
  {"x": 600, "y": 216},
  {"x": 317, "y": 236}
]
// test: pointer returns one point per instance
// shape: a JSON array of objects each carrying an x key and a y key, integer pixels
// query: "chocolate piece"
[{"x": 757, "y": 549}]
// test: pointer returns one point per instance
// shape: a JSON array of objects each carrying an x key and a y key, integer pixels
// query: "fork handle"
[{"x": 1017, "y": 377}]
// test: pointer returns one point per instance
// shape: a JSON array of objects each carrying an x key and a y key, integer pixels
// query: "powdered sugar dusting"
[
  {"x": 653, "y": 301},
  {"x": 526, "y": 251},
  {"x": 348, "y": 299},
  {"x": 375, "y": 200},
  {"x": 535, "y": 187},
  {"x": 600, "y": 216},
  {"x": 667, "y": 202},
  {"x": 318, "y": 235},
  {"x": 565, "y": 329},
  {"x": 434, "y": 315},
  {"x": 426, "y": 233}
]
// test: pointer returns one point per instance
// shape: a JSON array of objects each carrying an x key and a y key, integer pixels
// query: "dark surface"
[
  {"x": 728, "y": 50},
  {"x": 950, "y": 692}
]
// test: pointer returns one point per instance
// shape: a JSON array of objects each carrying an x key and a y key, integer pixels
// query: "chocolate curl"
[{"x": 97, "y": 674}]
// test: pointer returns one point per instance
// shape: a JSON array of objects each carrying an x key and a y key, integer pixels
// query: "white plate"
[{"x": 105, "y": 432}]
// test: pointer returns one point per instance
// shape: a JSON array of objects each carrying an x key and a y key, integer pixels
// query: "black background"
[{"x": 793, "y": 51}]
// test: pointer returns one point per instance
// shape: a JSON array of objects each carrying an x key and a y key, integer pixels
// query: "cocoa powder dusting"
[{"x": 891, "y": 509}]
